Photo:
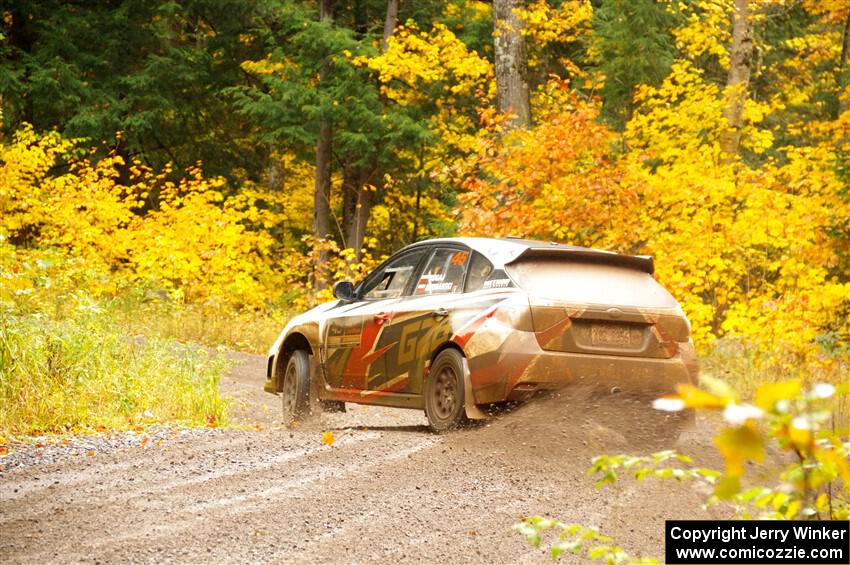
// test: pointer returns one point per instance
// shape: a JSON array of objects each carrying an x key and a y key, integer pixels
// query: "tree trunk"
[
  {"x": 358, "y": 197},
  {"x": 389, "y": 23},
  {"x": 356, "y": 208},
  {"x": 21, "y": 36},
  {"x": 349, "y": 206},
  {"x": 322, "y": 189},
  {"x": 512, "y": 96},
  {"x": 322, "y": 194},
  {"x": 739, "y": 79},
  {"x": 420, "y": 180}
]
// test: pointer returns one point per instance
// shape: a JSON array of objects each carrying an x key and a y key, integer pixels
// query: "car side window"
[
  {"x": 444, "y": 272},
  {"x": 480, "y": 270},
  {"x": 392, "y": 279}
]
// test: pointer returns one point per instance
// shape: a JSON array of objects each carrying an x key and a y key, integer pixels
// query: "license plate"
[{"x": 617, "y": 336}]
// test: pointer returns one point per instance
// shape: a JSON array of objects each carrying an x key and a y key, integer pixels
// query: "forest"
[
  {"x": 178, "y": 178},
  {"x": 203, "y": 169}
]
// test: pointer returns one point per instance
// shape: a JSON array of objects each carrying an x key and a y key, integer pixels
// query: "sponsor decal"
[
  {"x": 433, "y": 282},
  {"x": 460, "y": 258},
  {"x": 497, "y": 283}
]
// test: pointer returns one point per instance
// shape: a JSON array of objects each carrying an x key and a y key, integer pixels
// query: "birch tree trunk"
[
  {"x": 739, "y": 79},
  {"x": 512, "y": 95}
]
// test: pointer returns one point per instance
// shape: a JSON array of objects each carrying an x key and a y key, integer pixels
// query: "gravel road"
[{"x": 386, "y": 491}]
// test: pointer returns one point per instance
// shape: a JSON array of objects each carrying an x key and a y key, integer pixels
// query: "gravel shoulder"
[{"x": 386, "y": 491}]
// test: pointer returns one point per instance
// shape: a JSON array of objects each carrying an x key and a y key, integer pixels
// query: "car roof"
[{"x": 504, "y": 250}]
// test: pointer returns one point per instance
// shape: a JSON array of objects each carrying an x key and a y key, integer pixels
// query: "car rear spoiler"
[{"x": 637, "y": 262}]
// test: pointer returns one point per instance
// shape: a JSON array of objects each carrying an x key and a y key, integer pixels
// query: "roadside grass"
[
  {"x": 211, "y": 326},
  {"x": 745, "y": 369},
  {"x": 85, "y": 373},
  {"x": 83, "y": 351}
]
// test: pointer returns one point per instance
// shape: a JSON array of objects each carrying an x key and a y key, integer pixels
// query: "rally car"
[{"x": 451, "y": 326}]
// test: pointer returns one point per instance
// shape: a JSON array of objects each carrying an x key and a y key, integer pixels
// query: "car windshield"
[{"x": 577, "y": 282}]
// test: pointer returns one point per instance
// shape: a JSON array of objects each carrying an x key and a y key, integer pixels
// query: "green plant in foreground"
[
  {"x": 83, "y": 372},
  {"x": 576, "y": 539},
  {"x": 786, "y": 417}
]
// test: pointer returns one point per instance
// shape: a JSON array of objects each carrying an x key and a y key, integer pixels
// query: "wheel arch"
[
  {"x": 439, "y": 349},
  {"x": 293, "y": 342},
  {"x": 470, "y": 407}
]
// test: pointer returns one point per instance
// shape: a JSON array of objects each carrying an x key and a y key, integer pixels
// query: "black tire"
[
  {"x": 295, "y": 393},
  {"x": 444, "y": 392}
]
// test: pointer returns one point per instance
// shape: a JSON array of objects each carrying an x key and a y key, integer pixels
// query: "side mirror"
[{"x": 344, "y": 290}]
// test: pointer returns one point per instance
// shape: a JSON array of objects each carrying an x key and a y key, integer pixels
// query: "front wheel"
[
  {"x": 295, "y": 394},
  {"x": 444, "y": 392}
]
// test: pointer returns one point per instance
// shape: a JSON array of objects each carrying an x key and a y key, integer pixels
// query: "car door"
[
  {"x": 352, "y": 334},
  {"x": 421, "y": 320}
]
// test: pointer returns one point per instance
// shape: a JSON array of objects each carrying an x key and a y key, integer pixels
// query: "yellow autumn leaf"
[
  {"x": 767, "y": 395},
  {"x": 792, "y": 509},
  {"x": 694, "y": 397},
  {"x": 737, "y": 445},
  {"x": 328, "y": 438},
  {"x": 800, "y": 433}
]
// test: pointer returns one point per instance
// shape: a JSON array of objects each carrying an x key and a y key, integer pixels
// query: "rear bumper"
[
  {"x": 625, "y": 374},
  {"x": 513, "y": 376}
]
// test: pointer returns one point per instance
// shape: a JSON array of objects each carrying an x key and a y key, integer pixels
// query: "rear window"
[
  {"x": 480, "y": 270},
  {"x": 589, "y": 283}
]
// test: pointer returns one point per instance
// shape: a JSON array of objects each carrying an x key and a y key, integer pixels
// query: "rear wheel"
[
  {"x": 444, "y": 392},
  {"x": 295, "y": 394}
]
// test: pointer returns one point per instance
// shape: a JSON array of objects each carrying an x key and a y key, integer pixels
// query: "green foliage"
[
  {"x": 319, "y": 76},
  {"x": 209, "y": 325},
  {"x": 606, "y": 466},
  {"x": 812, "y": 483},
  {"x": 635, "y": 47},
  {"x": 72, "y": 358},
  {"x": 188, "y": 82},
  {"x": 153, "y": 70},
  {"x": 576, "y": 539},
  {"x": 85, "y": 372}
]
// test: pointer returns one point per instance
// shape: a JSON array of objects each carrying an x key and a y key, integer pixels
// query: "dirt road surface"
[{"x": 386, "y": 491}]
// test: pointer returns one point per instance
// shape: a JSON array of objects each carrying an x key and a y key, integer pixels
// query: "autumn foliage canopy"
[{"x": 628, "y": 149}]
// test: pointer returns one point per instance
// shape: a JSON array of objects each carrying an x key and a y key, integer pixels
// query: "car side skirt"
[{"x": 377, "y": 397}]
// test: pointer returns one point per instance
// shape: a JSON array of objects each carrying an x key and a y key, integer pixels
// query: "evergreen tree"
[
  {"x": 635, "y": 47},
  {"x": 153, "y": 70}
]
